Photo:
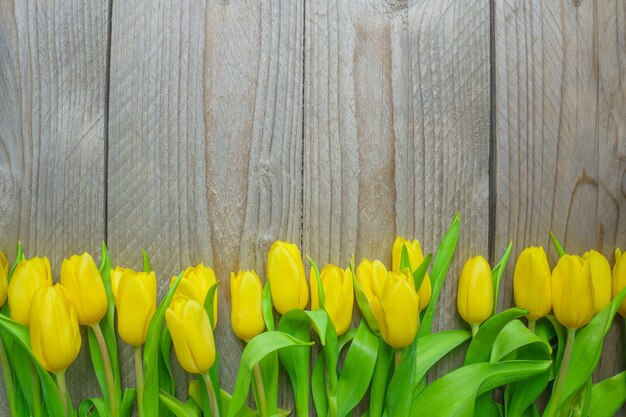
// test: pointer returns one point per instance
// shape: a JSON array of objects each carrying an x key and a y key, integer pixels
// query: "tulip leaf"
[
  {"x": 93, "y": 407},
  {"x": 258, "y": 348},
  {"x": 420, "y": 272},
  {"x": 402, "y": 384},
  {"x": 496, "y": 275},
  {"x": 209, "y": 303},
  {"x": 441, "y": 264},
  {"x": 128, "y": 400},
  {"x": 481, "y": 345},
  {"x": 179, "y": 408},
  {"x": 268, "y": 313},
  {"x": 587, "y": 350},
  {"x": 361, "y": 300},
  {"x": 513, "y": 336},
  {"x": 151, "y": 354},
  {"x": 467, "y": 383},
  {"x": 380, "y": 379},
  {"x": 608, "y": 396},
  {"x": 358, "y": 368},
  {"x": 557, "y": 245},
  {"x": 320, "y": 288},
  {"x": 318, "y": 385},
  {"x": 146, "y": 261},
  {"x": 405, "y": 261},
  {"x": 166, "y": 378}
]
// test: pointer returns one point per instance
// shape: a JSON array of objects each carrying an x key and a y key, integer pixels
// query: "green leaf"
[
  {"x": 209, "y": 302},
  {"x": 403, "y": 382},
  {"x": 442, "y": 262},
  {"x": 320, "y": 288},
  {"x": 361, "y": 300},
  {"x": 268, "y": 313},
  {"x": 420, "y": 272},
  {"x": 179, "y": 408},
  {"x": 318, "y": 385},
  {"x": 166, "y": 378},
  {"x": 127, "y": 402},
  {"x": 246, "y": 411},
  {"x": 557, "y": 245},
  {"x": 146, "y": 261},
  {"x": 516, "y": 336},
  {"x": 380, "y": 379},
  {"x": 467, "y": 383},
  {"x": 258, "y": 348},
  {"x": 93, "y": 407},
  {"x": 496, "y": 275},
  {"x": 357, "y": 370},
  {"x": 480, "y": 347},
  {"x": 405, "y": 262},
  {"x": 608, "y": 396}
]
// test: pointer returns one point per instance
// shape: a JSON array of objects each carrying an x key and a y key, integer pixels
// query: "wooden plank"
[
  {"x": 52, "y": 100},
  {"x": 561, "y": 132},
  {"x": 396, "y": 131},
  {"x": 205, "y": 140}
]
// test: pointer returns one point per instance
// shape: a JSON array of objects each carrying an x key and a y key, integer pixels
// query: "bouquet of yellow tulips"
[{"x": 550, "y": 342}]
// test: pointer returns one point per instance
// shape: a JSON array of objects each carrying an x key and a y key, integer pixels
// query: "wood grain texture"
[
  {"x": 396, "y": 131},
  {"x": 561, "y": 133},
  {"x": 52, "y": 89},
  {"x": 205, "y": 141}
]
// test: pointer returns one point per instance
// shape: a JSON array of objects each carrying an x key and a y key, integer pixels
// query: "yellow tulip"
[
  {"x": 192, "y": 335},
  {"x": 285, "y": 273},
  {"x": 54, "y": 333},
  {"x": 371, "y": 276},
  {"x": 619, "y": 278},
  {"x": 601, "y": 279},
  {"x": 397, "y": 310},
  {"x": 83, "y": 284},
  {"x": 572, "y": 292},
  {"x": 195, "y": 284},
  {"x": 338, "y": 295},
  {"x": 416, "y": 257},
  {"x": 29, "y": 276},
  {"x": 532, "y": 287},
  {"x": 4, "y": 273},
  {"x": 246, "y": 313},
  {"x": 475, "y": 294},
  {"x": 135, "y": 296}
]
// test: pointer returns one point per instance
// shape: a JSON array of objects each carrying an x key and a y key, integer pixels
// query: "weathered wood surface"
[
  {"x": 52, "y": 88},
  {"x": 561, "y": 133},
  {"x": 333, "y": 124}
]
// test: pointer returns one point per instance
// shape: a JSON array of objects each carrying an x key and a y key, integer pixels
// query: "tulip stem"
[
  {"x": 211, "y": 392},
  {"x": 60, "y": 377},
  {"x": 260, "y": 388},
  {"x": 475, "y": 328},
  {"x": 108, "y": 371},
  {"x": 8, "y": 379},
  {"x": 36, "y": 391},
  {"x": 398, "y": 358},
  {"x": 139, "y": 381},
  {"x": 531, "y": 325},
  {"x": 553, "y": 404}
]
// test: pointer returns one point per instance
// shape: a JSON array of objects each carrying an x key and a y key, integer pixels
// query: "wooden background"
[{"x": 203, "y": 130}]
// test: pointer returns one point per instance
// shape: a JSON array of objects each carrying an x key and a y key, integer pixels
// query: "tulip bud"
[
  {"x": 192, "y": 335},
  {"x": 601, "y": 279},
  {"x": 83, "y": 285},
  {"x": 285, "y": 273},
  {"x": 54, "y": 333},
  {"x": 4, "y": 273},
  {"x": 532, "y": 287},
  {"x": 416, "y": 257},
  {"x": 572, "y": 292},
  {"x": 338, "y": 295},
  {"x": 195, "y": 284},
  {"x": 397, "y": 310},
  {"x": 371, "y": 276},
  {"x": 246, "y": 313},
  {"x": 619, "y": 278},
  {"x": 475, "y": 294},
  {"x": 28, "y": 277},
  {"x": 135, "y": 296}
]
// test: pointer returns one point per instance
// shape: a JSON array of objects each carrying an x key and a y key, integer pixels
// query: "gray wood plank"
[
  {"x": 205, "y": 140},
  {"x": 396, "y": 131},
  {"x": 561, "y": 133},
  {"x": 52, "y": 100}
]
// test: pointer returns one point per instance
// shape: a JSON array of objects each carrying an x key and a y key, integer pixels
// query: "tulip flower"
[
  {"x": 54, "y": 333},
  {"x": 416, "y": 257},
  {"x": 4, "y": 273},
  {"x": 83, "y": 284},
  {"x": 532, "y": 287},
  {"x": 619, "y": 278},
  {"x": 475, "y": 293},
  {"x": 572, "y": 291},
  {"x": 397, "y": 310},
  {"x": 285, "y": 273},
  {"x": 371, "y": 276},
  {"x": 338, "y": 295},
  {"x": 246, "y": 293},
  {"x": 600, "y": 278},
  {"x": 135, "y": 296},
  {"x": 195, "y": 284},
  {"x": 29, "y": 276}
]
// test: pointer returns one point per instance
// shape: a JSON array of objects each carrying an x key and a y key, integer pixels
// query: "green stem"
[
  {"x": 260, "y": 388},
  {"x": 60, "y": 376},
  {"x": 531, "y": 325},
  {"x": 8, "y": 379},
  {"x": 475, "y": 328},
  {"x": 108, "y": 371},
  {"x": 36, "y": 391},
  {"x": 398, "y": 358},
  {"x": 139, "y": 381},
  {"x": 211, "y": 392},
  {"x": 553, "y": 404}
]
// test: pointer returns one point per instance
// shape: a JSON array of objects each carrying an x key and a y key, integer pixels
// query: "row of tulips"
[{"x": 388, "y": 354}]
